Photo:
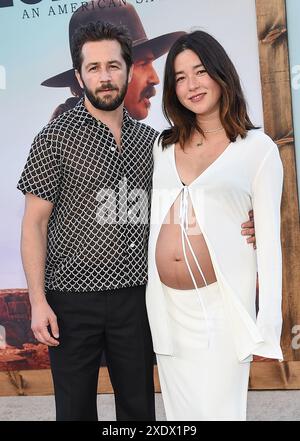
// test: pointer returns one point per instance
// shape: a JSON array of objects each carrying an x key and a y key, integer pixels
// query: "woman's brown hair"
[{"x": 233, "y": 108}]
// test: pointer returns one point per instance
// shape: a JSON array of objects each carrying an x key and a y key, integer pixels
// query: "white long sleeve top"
[{"x": 248, "y": 174}]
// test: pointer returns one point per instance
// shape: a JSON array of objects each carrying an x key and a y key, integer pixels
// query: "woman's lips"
[{"x": 197, "y": 98}]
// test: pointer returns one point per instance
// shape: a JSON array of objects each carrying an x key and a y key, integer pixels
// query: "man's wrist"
[{"x": 37, "y": 297}]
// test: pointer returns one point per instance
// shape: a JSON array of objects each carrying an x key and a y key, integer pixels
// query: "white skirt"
[{"x": 203, "y": 379}]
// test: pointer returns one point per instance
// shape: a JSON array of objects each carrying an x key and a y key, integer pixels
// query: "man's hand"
[
  {"x": 42, "y": 317},
  {"x": 249, "y": 230}
]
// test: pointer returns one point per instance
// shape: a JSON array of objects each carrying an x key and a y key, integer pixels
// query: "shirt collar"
[{"x": 85, "y": 117}]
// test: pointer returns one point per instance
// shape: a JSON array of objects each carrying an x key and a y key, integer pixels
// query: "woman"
[{"x": 211, "y": 167}]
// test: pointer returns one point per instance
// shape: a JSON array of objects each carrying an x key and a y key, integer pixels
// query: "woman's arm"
[{"x": 266, "y": 198}]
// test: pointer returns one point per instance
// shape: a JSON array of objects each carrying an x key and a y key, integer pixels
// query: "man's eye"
[
  {"x": 114, "y": 66},
  {"x": 142, "y": 63},
  {"x": 92, "y": 68},
  {"x": 200, "y": 72}
]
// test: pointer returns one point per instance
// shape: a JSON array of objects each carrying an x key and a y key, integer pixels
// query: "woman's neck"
[{"x": 209, "y": 122}]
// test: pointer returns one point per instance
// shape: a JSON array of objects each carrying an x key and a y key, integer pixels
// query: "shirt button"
[
  {"x": 129, "y": 212},
  {"x": 132, "y": 245},
  {"x": 112, "y": 149}
]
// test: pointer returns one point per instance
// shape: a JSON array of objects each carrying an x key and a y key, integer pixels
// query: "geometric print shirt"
[{"x": 99, "y": 226}]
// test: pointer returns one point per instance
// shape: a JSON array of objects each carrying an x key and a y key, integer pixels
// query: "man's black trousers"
[{"x": 113, "y": 321}]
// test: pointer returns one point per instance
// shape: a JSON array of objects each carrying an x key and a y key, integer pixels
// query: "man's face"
[
  {"x": 141, "y": 88},
  {"x": 103, "y": 74}
]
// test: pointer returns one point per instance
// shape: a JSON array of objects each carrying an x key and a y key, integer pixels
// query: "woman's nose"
[{"x": 193, "y": 83}]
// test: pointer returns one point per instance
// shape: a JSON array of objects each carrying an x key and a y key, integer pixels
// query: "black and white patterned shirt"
[{"x": 98, "y": 229}]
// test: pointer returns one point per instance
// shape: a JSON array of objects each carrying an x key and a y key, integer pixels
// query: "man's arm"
[
  {"x": 33, "y": 251},
  {"x": 248, "y": 229}
]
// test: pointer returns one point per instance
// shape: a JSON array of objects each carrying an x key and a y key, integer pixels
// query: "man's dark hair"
[{"x": 100, "y": 31}]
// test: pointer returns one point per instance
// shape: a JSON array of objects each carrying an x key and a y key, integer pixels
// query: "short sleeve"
[
  {"x": 267, "y": 192},
  {"x": 42, "y": 171},
  {"x": 156, "y": 146}
]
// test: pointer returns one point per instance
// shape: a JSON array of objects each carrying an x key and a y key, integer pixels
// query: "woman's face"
[{"x": 195, "y": 89}]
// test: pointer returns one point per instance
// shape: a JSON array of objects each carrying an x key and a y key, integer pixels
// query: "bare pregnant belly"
[{"x": 170, "y": 261}]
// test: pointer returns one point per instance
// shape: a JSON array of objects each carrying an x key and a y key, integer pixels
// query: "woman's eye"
[
  {"x": 200, "y": 72},
  {"x": 179, "y": 79}
]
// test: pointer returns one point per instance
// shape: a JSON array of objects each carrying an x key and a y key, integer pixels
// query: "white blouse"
[{"x": 248, "y": 174}]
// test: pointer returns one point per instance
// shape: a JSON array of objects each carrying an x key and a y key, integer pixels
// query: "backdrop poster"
[
  {"x": 293, "y": 15},
  {"x": 34, "y": 37}
]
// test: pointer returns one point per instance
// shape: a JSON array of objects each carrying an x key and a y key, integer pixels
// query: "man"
[
  {"x": 142, "y": 86},
  {"x": 84, "y": 242},
  {"x": 95, "y": 270},
  {"x": 145, "y": 51}
]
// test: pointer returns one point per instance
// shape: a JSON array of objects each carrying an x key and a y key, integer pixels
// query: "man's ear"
[
  {"x": 130, "y": 73},
  {"x": 77, "y": 75}
]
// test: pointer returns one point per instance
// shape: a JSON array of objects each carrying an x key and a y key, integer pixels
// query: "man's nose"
[
  {"x": 104, "y": 75},
  {"x": 153, "y": 77}
]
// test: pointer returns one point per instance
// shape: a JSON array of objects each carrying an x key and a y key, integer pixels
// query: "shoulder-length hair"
[{"x": 233, "y": 108}]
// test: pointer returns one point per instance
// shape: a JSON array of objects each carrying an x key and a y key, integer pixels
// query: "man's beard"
[{"x": 106, "y": 104}]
